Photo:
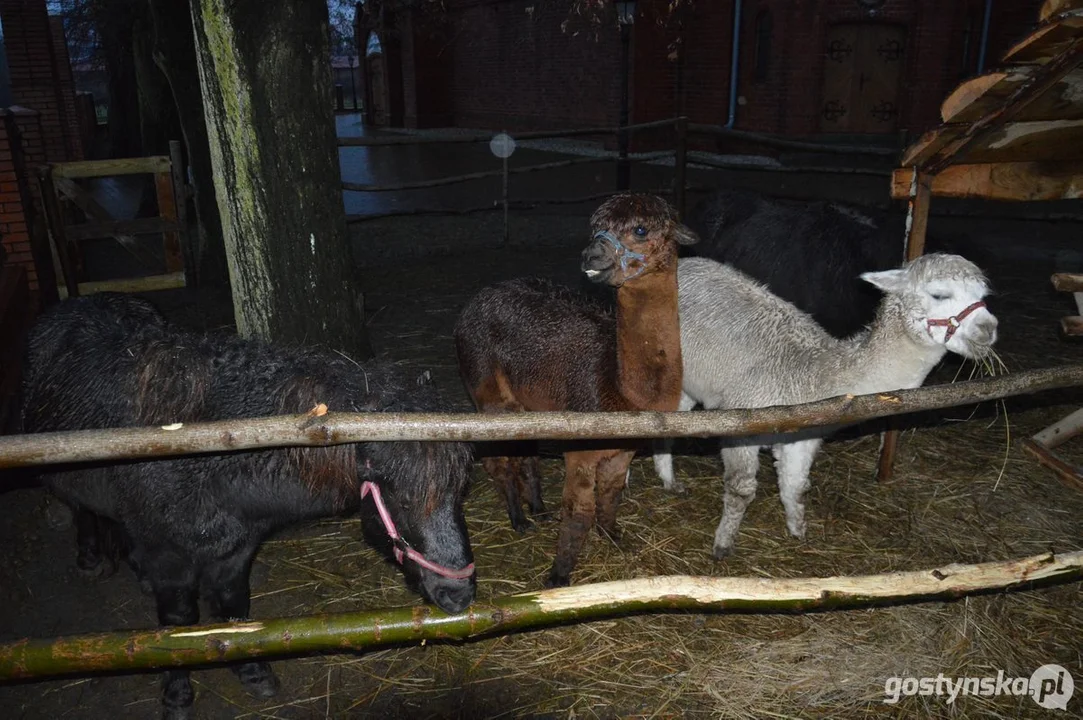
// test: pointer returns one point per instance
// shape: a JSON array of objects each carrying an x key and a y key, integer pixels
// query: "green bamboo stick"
[{"x": 211, "y": 644}]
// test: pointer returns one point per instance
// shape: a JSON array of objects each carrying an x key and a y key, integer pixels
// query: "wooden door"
[
  {"x": 863, "y": 65},
  {"x": 377, "y": 89}
]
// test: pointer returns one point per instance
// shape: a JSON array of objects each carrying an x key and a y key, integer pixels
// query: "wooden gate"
[
  {"x": 863, "y": 64},
  {"x": 61, "y": 194}
]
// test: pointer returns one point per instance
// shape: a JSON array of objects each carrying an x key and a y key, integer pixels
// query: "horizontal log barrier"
[
  {"x": 267, "y": 639},
  {"x": 755, "y": 167},
  {"x": 787, "y": 144},
  {"x": 451, "y": 180},
  {"x": 338, "y": 428},
  {"x": 378, "y": 140},
  {"x": 524, "y": 204}
]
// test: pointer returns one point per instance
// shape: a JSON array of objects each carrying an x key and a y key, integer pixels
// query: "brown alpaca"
[{"x": 526, "y": 344}]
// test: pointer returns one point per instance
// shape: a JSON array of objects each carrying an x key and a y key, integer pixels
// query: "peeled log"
[
  {"x": 209, "y": 644},
  {"x": 337, "y": 428}
]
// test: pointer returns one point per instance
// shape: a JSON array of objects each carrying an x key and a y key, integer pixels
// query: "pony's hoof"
[
  {"x": 177, "y": 713},
  {"x": 258, "y": 679},
  {"x": 557, "y": 579},
  {"x": 522, "y": 525},
  {"x": 612, "y": 533},
  {"x": 721, "y": 552},
  {"x": 544, "y": 516},
  {"x": 676, "y": 488},
  {"x": 95, "y": 567}
]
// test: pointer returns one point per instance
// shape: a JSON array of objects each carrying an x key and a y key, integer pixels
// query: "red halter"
[
  {"x": 952, "y": 323},
  {"x": 401, "y": 547}
]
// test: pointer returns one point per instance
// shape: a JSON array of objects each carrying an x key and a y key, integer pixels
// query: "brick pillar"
[
  {"x": 22, "y": 150},
  {"x": 32, "y": 63}
]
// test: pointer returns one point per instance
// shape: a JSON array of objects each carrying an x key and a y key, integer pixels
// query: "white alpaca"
[{"x": 744, "y": 347}]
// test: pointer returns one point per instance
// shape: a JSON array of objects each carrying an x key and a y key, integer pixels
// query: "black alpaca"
[{"x": 192, "y": 524}]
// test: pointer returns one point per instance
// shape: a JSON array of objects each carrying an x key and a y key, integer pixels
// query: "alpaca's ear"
[
  {"x": 685, "y": 234},
  {"x": 887, "y": 280}
]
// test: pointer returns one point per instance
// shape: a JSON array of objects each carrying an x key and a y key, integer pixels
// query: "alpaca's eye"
[
  {"x": 640, "y": 231},
  {"x": 939, "y": 296}
]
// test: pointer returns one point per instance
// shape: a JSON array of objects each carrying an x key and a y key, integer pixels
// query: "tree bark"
[
  {"x": 175, "y": 54},
  {"x": 337, "y": 428},
  {"x": 230, "y": 642},
  {"x": 264, "y": 69}
]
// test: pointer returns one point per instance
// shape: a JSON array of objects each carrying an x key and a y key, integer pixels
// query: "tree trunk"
[
  {"x": 175, "y": 54},
  {"x": 231, "y": 642},
  {"x": 265, "y": 72}
]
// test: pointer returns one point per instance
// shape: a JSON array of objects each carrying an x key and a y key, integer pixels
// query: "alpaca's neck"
[
  {"x": 649, "y": 342},
  {"x": 888, "y": 357}
]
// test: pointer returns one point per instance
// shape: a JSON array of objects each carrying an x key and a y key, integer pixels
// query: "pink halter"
[{"x": 401, "y": 547}]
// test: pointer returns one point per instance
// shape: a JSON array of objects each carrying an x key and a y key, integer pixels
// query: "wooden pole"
[
  {"x": 505, "y": 156},
  {"x": 337, "y": 428},
  {"x": 180, "y": 203},
  {"x": 231, "y": 642},
  {"x": 54, "y": 220},
  {"x": 680, "y": 167},
  {"x": 917, "y": 221}
]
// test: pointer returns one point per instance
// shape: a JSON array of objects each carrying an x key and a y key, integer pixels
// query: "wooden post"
[
  {"x": 680, "y": 167},
  {"x": 917, "y": 221},
  {"x": 167, "y": 209},
  {"x": 180, "y": 202},
  {"x": 55, "y": 226}
]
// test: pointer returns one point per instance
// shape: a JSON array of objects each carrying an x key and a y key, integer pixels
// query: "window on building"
[
  {"x": 373, "y": 47},
  {"x": 762, "y": 61}
]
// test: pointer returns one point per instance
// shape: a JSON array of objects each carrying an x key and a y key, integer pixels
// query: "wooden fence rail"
[
  {"x": 338, "y": 428},
  {"x": 368, "y": 630}
]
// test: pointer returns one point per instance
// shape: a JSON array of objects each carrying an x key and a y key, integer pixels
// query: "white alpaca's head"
[{"x": 942, "y": 300}]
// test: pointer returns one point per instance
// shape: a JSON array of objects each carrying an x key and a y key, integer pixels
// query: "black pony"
[{"x": 192, "y": 524}]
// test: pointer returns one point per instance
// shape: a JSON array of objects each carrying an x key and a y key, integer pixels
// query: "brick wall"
[
  {"x": 526, "y": 64},
  {"x": 32, "y": 61},
  {"x": 521, "y": 64},
  {"x": 22, "y": 148}
]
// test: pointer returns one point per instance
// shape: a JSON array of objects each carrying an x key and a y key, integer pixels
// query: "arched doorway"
[{"x": 863, "y": 67}]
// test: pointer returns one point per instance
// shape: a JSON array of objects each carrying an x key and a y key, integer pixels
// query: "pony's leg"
[
  {"x": 576, "y": 514},
  {"x": 226, "y": 587},
  {"x": 530, "y": 486},
  {"x": 176, "y": 592},
  {"x": 793, "y": 462},
  {"x": 505, "y": 472},
  {"x": 612, "y": 477},
  {"x": 663, "y": 454},
  {"x": 741, "y": 463}
]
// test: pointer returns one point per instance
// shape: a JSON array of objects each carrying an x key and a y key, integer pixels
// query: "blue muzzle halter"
[{"x": 624, "y": 254}]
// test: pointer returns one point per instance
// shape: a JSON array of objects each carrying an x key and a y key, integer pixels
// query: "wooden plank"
[
  {"x": 1017, "y": 182},
  {"x": 978, "y": 97},
  {"x": 929, "y": 144},
  {"x": 58, "y": 239},
  {"x": 148, "y": 283},
  {"x": 1067, "y": 282},
  {"x": 987, "y": 130},
  {"x": 1070, "y": 475},
  {"x": 108, "y": 168},
  {"x": 1056, "y": 7},
  {"x": 167, "y": 209},
  {"x": 1047, "y": 42},
  {"x": 1072, "y": 326},
  {"x": 1061, "y": 431},
  {"x": 1038, "y": 141},
  {"x": 139, "y": 226},
  {"x": 180, "y": 200}
]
